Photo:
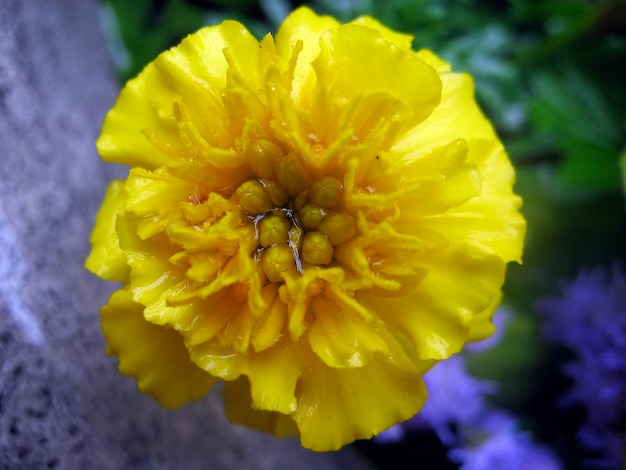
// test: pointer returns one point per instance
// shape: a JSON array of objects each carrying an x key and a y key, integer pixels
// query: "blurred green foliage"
[{"x": 551, "y": 76}]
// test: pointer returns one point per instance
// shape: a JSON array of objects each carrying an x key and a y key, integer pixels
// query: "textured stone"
[{"x": 62, "y": 402}]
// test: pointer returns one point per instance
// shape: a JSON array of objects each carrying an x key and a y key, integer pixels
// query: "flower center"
[{"x": 295, "y": 228}]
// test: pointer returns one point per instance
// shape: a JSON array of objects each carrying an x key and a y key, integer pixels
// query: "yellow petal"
[
  {"x": 239, "y": 410},
  {"x": 156, "y": 197},
  {"x": 437, "y": 315},
  {"x": 106, "y": 258},
  {"x": 154, "y": 355},
  {"x": 345, "y": 67},
  {"x": 451, "y": 181},
  {"x": 190, "y": 78},
  {"x": 151, "y": 272},
  {"x": 238, "y": 330},
  {"x": 402, "y": 40},
  {"x": 302, "y": 27},
  {"x": 141, "y": 129},
  {"x": 123, "y": 138},
  {"x": 434, "y": 61},
  {"x": 481, "y": 326},
  {"x": 201, "y": 321},
  {"x": 218, "y": 360},
  {"x": 491, "y": 222},
  {"x": 456, "y": 115},
  {"x": 203, "y": 58},
  {"x": 344, "y": 333},
  {"x": 224, "y": 317},
  {"x": 223, "y": 235},
  {"x": 375, "y": 113},
  {"x": 274, "y": 388},
  {"x": 270, "y": 327},
  {"x": 202, "y": 54},
  {"x": 337, "y": 406}
]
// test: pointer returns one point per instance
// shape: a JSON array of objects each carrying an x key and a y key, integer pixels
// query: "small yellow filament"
[
  {"x": 317, "y": 248},
  {"x": 252, "y": 197}
]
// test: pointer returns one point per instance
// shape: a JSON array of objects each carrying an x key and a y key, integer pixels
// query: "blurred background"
[{"x": 551, "y": 76}]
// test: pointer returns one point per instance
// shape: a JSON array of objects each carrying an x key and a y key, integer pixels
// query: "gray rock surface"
[{"x": 63, "y": 404}]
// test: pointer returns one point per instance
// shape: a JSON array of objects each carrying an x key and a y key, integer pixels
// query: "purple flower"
[
  {"x": 589, "y": 317},
  {"x": 499, "y": 445}
]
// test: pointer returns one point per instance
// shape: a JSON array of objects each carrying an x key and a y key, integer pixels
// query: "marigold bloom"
[{"x": 315, "y": 218}]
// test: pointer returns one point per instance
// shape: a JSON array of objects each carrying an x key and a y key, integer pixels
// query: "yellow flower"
[{"x": 315, "y": 218}]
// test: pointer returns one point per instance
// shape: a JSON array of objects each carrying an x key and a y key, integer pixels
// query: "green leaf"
[
  {"x": 622, "y": 165},
  {"x": 572, "y": 109}
]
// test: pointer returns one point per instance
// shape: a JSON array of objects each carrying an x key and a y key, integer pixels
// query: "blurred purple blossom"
[
  {"x": 496, "y": 443},
  {"x": 589, "y": 317}
]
